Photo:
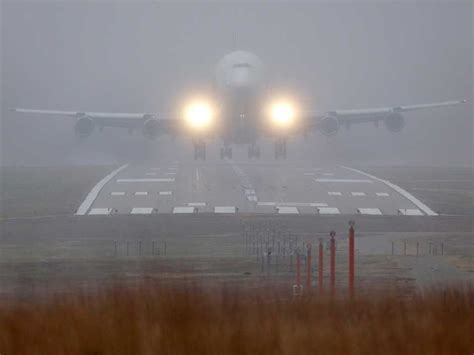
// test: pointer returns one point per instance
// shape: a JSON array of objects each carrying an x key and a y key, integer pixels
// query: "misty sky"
[{"x": 143, "y": 57}]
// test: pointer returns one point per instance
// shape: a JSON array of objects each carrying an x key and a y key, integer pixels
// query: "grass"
[{"x": 230, "y": 320}]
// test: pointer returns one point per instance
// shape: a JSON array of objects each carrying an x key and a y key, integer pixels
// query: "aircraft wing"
[
  {"x": 379, "y": 113},
  {"x": 162, "y": 123}
]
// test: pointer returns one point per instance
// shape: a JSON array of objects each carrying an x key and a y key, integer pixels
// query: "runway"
[{"x": 250, "y": 187}]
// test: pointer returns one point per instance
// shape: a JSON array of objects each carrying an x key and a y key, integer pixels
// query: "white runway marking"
[
  {"x": 382, "y": 194},
  {"x": 401, "y": 191},
  {"x": 197, "y": 204},
  {"x": 287, "y": 210},
  {"x": 410, "y": 212},
  {"x": 344, "y": 180},
  {"x": 225, "y": 209},
  {"x": 293, "y": 204},
  {"x": 165, "y": 193},
  {"x": 150, "y": 174},
  {"x": 87, "y": 203},
  {"x": 328, "y": 174},
  {"x": 172, "y": 168},
  {"x": 186, "y": 209},
  {"x": 328, "y": 210},
  {"x": 117, "y": 193},
  {"x": 334, "y": 193},
  {"x": 141, "y": 193},
  {"x": 100, "y": 211},
  {"x": 170, "y": 173},
  {"x": 358, "y": 193},
  {"x": 142, "y": 210},
  {"x": 369, "y": 211},
  {"x": 146, "y": 180}
]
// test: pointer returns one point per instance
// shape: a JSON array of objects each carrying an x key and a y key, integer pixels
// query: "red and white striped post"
[
  {"x": 333, "y": 263},
  {"x": 351, "y": 258}
]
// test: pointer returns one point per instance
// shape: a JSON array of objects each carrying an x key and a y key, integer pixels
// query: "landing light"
[
  {"x": 282, "y": 114},
  {"x": 199, "y": 115}
]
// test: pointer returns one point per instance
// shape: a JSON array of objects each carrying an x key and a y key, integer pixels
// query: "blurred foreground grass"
[{"x": 229, "y": 320}]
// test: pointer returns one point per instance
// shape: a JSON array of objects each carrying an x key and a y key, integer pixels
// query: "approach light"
[{"x": 199, "y": 115}]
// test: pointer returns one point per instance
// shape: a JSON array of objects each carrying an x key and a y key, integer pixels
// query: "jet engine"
[
  {"x": 84, "y": 127},
  {"x": 151, "y": 129},
  {"x": 394, "y": 122},
  {"x": 329, "y": 126}
]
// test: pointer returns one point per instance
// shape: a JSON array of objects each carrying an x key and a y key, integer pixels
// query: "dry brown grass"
[{"x": 226, "y": 320}]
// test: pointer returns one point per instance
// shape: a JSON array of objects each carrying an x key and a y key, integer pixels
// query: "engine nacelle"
[
  {"x": 394, "y": 122},
  {"x": 151, "y": 128},
  {"x": 329, "y": 126},
  {"x": 84, "y": 127}
]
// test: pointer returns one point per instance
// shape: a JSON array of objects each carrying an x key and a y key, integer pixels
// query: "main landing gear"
[
  {"x": 280, "y": 148},
  {"x": 226, "y": 152},
  {"x": 199, "y": 150},
  {"x": 254, "y": 151}
]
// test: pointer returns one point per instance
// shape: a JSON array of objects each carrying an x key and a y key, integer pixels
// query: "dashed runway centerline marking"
[
  {"x": 165, "y": 193},
  {"x": 358, "y": 193},
  {"x": 141, "y": 193},
  {"x": 117, "y": 193},
  {"x": 334, "y": 193},
  {"x": 382, "y": 194},
  {"x": 197, "y": 204}
]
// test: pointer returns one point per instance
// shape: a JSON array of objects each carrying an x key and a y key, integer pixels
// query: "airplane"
[{"x": 240, "y": 113}]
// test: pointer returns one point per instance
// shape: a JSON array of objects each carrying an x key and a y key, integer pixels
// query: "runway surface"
[{"x": 249, "y": 187}]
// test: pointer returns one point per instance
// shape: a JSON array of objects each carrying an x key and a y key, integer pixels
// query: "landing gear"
[
  {"x": 254, "y": 151},
  {"x": 199, "y": 150},
  {"x": 280, "y": 148},
  {"x": 226, "y": 152}
]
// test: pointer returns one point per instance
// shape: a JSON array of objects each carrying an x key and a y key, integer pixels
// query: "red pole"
[
  {"x": 333, "y": 263},
  {"x": 308, "y": 267},
  {"x": 298, "y": 271},
  {"x": 351, "y": 259},
  {"x": 320, "y": 266}
]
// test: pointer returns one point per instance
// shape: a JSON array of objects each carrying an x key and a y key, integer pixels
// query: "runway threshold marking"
[
  {"x": 118, "y": 193},
  {"x": 328, "y": 210},
  {"x": 99, "y": 211},
  {"x": 287, "y": 210},
  {"x": 225, "y": 209},
  {"x": 248, "y": 189},
  {"x": 344, "y": 180},
  {"x": 369, "y": 211},
  {"x": 146, "y": 180},
  {"x": 141, "y": 193},
  {"x": 184, "y": 209},
  {"x": 398, "y": 189},
  {"x": 197, "y": 204},
  {"x": 382, "y": 194},
  {"x": 410, "y": 212},
  {"x": 165, "y": 193},
  {"x": 89, "y": 200},
  {"x": 143, "y": 210},
  {"x": 358, "y": 193},
  {"x": 334, "y": 193}
]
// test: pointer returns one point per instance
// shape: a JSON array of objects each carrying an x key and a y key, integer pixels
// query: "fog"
[{"x": 143, "y": 57}]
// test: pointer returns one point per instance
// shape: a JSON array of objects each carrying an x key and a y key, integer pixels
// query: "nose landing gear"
[
  {"x": 199, "y": 150},
  {"x": 226, "y": 152},
  {"x": 254, "y": 151}
]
